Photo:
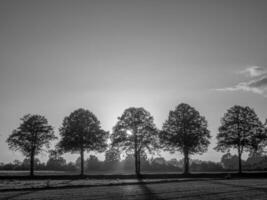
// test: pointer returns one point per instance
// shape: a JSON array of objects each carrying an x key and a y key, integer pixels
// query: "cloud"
[
  {"x": 259, "y": 83},
  {"x": 254, "y": 71},
  {"x": 258, "y": 86}
]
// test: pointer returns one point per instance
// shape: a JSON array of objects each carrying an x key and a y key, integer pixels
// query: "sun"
[{"x": 129, "y": 132}]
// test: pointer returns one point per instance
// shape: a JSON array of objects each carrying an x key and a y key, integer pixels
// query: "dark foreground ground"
[{"x": 175, "y": 189}]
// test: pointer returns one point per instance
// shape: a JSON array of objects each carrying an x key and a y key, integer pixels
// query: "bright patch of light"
[
  {"x": 129, "y": 132},
  {"x": 108, "y": 141}
]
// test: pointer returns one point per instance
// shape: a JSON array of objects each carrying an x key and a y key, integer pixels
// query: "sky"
[{"x": 106, "y": 56}]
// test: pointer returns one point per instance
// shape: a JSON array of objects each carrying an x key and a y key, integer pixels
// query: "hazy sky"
[{"x": 105, "y": 56}]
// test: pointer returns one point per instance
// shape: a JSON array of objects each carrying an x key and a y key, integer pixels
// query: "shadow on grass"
[
  {"x": 174, "y": 192},
  {"x": 142, "y": 184},
  {"x": 264, "y": 190},
  {"x": 144, "y": 194},
  {"x": 197, "y": 194},
  {"x": 146, "y": 191},
  {"x": 140, "y": 181},
  {"x": 13, "y": 196}
]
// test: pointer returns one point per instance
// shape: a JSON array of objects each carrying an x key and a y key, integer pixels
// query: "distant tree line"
[
  {"x": 92, "y": 164},
  {"x": 135, "y": 134}
]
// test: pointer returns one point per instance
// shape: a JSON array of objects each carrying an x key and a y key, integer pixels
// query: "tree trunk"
[
  {"x": 239, "y": 148},
  {"x": 137, "y": 170},
  {"x": 32, "y": 163},
  {"x": 186, "y": 162},
  {"x": 82, "y": 165},
  {"x": 138, "y": 162},
  {"x": 239, "y": 161}
]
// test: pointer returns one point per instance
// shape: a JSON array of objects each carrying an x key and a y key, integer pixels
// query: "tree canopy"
[
  {"x": 240, "y": 129},
  {"x": 31, "y": 136},
  {"x": 55, "y": 161},
  {"x": 135, "y": 132},
  {"x": 185, "y": 131},
  {"x": 81, "y": 131},
  {"x": 112, "y": 156}
]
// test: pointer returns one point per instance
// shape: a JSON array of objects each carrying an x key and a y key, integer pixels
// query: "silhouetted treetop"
[
  {"x": 240, "y": 129},
  {"x": 185, "y": 128},
  {"x": 135, "y": 132},
  {"x": 135, "y": 124},
  {"x": 112, "y": 155},
  {"x": 185, "y": 131},
  {"x": 81, "y": 131},
  {"x": 31, "y": 136}
]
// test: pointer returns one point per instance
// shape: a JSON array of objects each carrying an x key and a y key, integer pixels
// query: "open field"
[
  {"x": 244, "y": 189},
  {"x": 50, "y": 172},
  {"x": 118, "y": 172},
  {"x": 61, "y": 175}
]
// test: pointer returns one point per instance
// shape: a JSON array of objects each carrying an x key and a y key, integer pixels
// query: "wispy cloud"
[
  {"x": 257, "y": 85},
  {"x": 254, "y": 71}
]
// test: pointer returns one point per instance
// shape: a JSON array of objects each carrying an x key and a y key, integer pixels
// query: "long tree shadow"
[
  {"x": 13, "y": 196},
  {"x": 64, "y": 185},
  {"x": 146, "y": 191},
  {"x": 239, "y": 186}
]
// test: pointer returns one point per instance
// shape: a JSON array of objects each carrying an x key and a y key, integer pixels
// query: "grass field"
[
  {"x": 244, "y": 189},
  {"x": 120, "y": 172},
  {"x": 47, "y": 172}
]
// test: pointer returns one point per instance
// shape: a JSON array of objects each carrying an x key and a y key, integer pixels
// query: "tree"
[
  {"x": 240, "y": 129},
  {"x": 257, "y": 161},
  {"x": 159, "y": 161},
  {"x": 229, "y": 161},
  {"x": 112, "y": 158},
  {"x": 81, "y": 131},
  {"x": 134, "y": 133},
  {"x": 259, "y": 139},
  {"x": 31, "y": 136},
  {"x": 128, "y": 162},
  {"x": 205, "y": 166},
  {"x": 17, "y": 164},
  {"x": 158, "y": 164},
  {"x": 112, "y": 155},
  {"x": 173, "y": 162},
  {"x": 55, "y": 161},
  {"x": 185, "y": 131},
  {"x": 92, "y": 163}
]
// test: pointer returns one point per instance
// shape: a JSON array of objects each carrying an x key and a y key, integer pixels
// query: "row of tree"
[
  {"x": 185, "y": 131},
  {"x": 113, "y": 164}
]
